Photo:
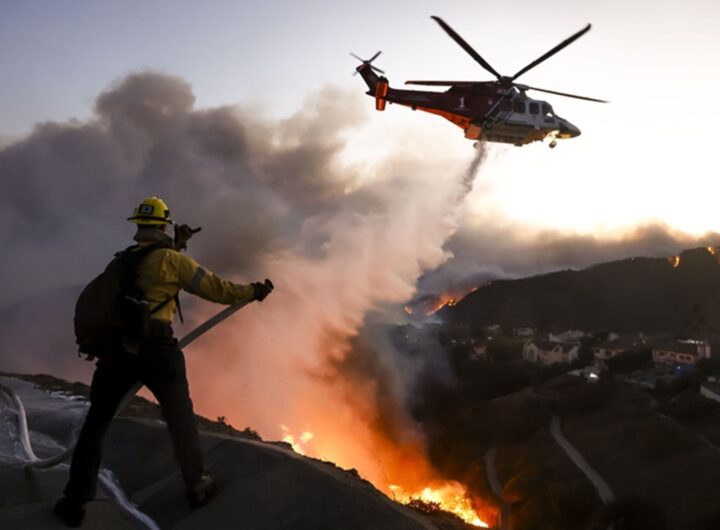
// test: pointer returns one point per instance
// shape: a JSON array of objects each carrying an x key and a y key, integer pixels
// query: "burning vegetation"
[
  {"x": 431, "y": 304},
  {"x": 446, "y": 496},
  {"x": 298, "y": 443}
]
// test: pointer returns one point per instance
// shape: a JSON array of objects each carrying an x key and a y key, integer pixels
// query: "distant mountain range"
[{"x": 680, "y": 294}]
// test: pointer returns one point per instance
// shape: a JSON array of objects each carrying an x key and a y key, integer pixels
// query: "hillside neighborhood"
[{"x": 653, "y": 361}]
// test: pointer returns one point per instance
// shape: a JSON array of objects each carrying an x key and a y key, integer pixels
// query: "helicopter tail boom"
[{"x": 378, "y": 87}]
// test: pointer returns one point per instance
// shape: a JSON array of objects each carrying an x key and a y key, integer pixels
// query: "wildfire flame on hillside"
[
  {"x": 674, "y": 261},
  {"x": 444, "y": 300},
  {"x": 299, "y": 444},
  {"x": 714, "y": 252},
  {"x": 451, "y": 496},
  {"x": 432, "y": 304},
  {"x": 448, "y": 495}
]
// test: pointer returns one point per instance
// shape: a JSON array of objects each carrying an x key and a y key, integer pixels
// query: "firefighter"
[{"x": 158, "y": 362}]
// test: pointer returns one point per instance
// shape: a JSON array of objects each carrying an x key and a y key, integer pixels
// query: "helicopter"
[{"x": 492, "y": 111}]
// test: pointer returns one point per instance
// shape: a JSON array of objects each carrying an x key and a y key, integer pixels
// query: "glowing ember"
[
  {"x": 674, "y": 261},
  {"x": 450, "y": 496},
  {"x": 299, "y": 444}
]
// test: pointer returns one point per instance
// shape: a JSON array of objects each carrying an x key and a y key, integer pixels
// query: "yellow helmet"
[{"x": 151, "y": 211}]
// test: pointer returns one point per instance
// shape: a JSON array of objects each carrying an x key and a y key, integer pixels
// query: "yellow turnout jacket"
[{"x": 164, "y": 272}]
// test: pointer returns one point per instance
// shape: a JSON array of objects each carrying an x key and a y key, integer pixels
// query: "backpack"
[{"x": 112, "y": 314}]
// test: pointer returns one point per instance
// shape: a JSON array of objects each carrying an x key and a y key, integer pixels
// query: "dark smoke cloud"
[
  {"x": 484, "y": 252},
  {"x": 67, "y": 188}
]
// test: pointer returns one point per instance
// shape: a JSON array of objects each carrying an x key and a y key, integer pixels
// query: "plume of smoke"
[
  {"x": 304, "y": 332},
  {"x": 67, "y": 188},
  {"x": 273, "y": 200},
  {"x": 487, "y": 250}
]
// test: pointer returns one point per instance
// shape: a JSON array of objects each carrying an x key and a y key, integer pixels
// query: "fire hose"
[{"x": 32, "y": 460}]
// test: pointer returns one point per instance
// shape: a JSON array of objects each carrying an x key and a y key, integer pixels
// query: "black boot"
[
  {"x": 202, "y": 491},
  {"x": 70, "y": 512}
]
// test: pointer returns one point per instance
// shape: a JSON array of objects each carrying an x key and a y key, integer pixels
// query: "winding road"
[{"x": 603, "y": 489}]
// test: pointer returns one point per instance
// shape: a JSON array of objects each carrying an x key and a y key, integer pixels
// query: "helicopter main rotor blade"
[
  {"x": 465, "y": 46},
  {"x": 445, "y": 83},
  {"x": 525, "y": 87},
  {"x": 552, "y": 52}
]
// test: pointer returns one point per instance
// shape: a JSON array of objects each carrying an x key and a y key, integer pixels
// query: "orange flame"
[
  {"x": 299, "y": 444},
  {"x": 674, "y": 261},
  {"x": 449, "y": 299},
  {"x": 444, "y": 300},
  {"x": 714, "y": 252},
  {"x": 451, "y": 496}
]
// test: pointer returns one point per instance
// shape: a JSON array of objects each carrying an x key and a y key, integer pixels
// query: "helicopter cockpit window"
[
  {"x": 534, "y": 108},
  {"x": 518, "y": 106},
  {"x": 547, "y": 111},
  {"x": 505, "y": 105}
]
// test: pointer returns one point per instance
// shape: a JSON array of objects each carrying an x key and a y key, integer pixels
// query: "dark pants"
[{"x": 160, "y": 366}]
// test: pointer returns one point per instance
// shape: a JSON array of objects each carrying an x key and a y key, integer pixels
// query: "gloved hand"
[
  {"x": 182, "y": 234},
  {"x": 262, "y": 289}
]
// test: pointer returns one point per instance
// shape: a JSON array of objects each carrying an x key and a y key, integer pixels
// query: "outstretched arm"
[{"x": 199, "y": 281}]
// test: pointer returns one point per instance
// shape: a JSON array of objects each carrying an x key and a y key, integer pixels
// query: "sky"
[{"x": 648, "y": 156}]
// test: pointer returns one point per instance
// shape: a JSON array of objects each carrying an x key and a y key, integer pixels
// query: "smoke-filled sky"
[{"x": 646, "y": 157}]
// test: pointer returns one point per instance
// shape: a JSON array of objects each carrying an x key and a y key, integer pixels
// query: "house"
[
  {"x": 610, "y": 348},
  {"x": 546, "y": 352},
  {"x": 680, "y": 354}
]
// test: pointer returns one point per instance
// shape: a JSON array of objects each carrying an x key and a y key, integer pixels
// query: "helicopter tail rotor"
[{"x": 368, "y": 62}]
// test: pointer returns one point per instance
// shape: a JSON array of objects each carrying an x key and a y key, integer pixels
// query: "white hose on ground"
[
  {"x": 32, "y": 460},
  {"x": 35, "y": 462},
  {"x": 107, "y": 479},
  {"x": 113, "y": 489}
]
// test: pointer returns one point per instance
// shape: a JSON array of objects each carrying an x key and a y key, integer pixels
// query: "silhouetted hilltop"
[{"x": 636, "y": 294}]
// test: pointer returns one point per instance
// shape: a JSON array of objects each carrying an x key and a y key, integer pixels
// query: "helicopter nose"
[{"x": 568, "y": 130}]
